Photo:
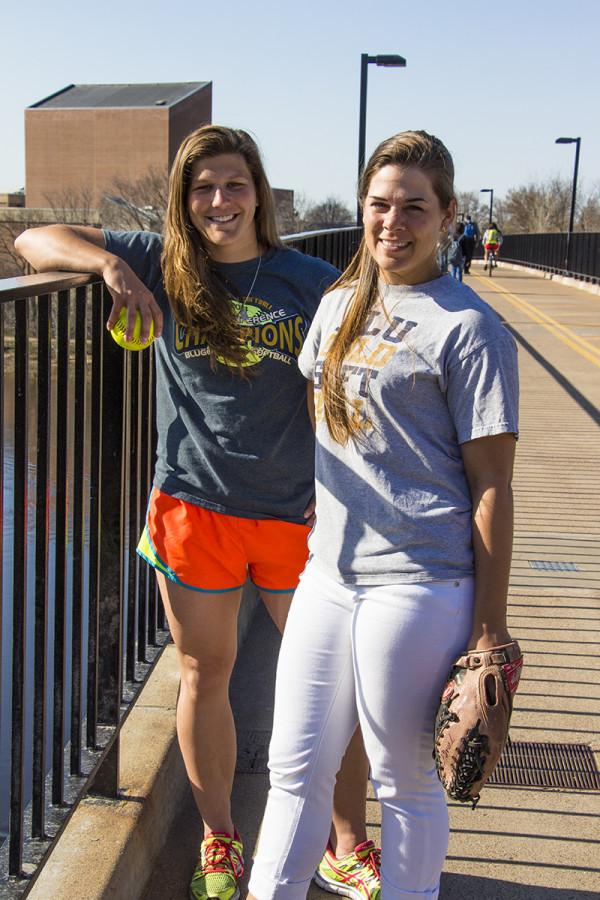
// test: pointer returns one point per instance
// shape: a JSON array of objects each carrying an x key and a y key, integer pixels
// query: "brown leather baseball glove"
[{"x": 471, "y": 726}]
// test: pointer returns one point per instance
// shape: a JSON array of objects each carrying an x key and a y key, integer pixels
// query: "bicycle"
[{"x": 490, "y": 263}]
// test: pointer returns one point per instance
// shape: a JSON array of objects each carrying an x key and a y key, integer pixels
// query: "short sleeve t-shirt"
[
  {"x": 238, "y": 446},
  {"x": 434, "y": 370}
]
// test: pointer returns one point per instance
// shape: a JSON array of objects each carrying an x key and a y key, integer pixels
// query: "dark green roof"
[{"x": 95, "y": 96}]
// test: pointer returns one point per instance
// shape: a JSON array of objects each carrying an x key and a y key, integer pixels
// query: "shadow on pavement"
[{"x": 473, "y": 887}]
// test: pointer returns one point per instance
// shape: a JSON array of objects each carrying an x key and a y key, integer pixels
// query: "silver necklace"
[{"x": 244, "y": 302}]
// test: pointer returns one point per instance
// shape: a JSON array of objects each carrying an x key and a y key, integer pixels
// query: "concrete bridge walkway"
[{"x": 521, "y": 843}]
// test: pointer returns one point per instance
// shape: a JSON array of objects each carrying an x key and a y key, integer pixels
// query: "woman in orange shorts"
[{"x": 234, "y": 475}]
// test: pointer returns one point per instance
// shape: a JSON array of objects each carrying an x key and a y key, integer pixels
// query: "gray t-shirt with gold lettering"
[
  {"x": 438, "y": 368},
  {"x": 238, "y": 446}
]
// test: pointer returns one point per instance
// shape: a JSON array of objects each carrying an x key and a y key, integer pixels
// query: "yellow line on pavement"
[{"x": 564, "y": 334}]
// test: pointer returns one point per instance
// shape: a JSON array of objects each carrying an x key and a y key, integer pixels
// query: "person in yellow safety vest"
[{"x": 492, "y": 239}]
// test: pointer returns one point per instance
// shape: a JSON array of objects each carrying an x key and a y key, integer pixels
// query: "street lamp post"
[
  {"x": 577, "y": 142},
  {"x": 390, "y": 61},
  {"x": 489, "y": 191}
]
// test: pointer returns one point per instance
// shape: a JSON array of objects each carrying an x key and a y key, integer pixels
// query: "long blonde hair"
[
  {"x": 197, "y": 295},
  {"x": 409, "y": 148}
]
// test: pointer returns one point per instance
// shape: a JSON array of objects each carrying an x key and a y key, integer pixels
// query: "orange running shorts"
[{"x": 210, "y": 551}]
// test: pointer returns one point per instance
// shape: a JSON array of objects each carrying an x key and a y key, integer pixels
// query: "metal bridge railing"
[
  {"x": 80, "y": 622},
  {"x": 337, "y": 246},
  {"x": 548, "y": 252}
]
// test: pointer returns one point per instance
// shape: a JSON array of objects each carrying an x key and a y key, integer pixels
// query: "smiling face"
[
  {"x": 403, "y": 221},
  {"x": 221, "y": 204}
]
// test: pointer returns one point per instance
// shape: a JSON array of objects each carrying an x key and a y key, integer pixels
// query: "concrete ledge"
[
  {"x": 579, "y": 283},
  {"x": 109, "y": 847}
]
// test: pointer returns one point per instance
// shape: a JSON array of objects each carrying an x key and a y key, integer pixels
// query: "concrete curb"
[
  {"x": 578, "y": 283},
  {"x": 109, "y": 847}
]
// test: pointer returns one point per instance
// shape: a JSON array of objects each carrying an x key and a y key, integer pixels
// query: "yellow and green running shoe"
[
  {"x": 219, "y": 868},
  {"x": 355, "y": 875}
]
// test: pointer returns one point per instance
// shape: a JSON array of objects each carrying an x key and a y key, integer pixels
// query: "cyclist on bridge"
[{"x": 492, "y": 240}]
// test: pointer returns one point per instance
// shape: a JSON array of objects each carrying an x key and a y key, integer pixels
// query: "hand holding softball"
[
  {"x": 135, "y": 314},
  {"x": 121, "y": 329}
]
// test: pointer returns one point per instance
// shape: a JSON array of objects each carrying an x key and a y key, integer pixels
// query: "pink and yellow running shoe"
[
  {"x": 219, "y": 868},
  {"x": 355, "y": 875}
]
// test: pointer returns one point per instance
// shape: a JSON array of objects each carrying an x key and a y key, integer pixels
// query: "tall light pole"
[
  {"x": 391, "y": 61},
  {"x": 489, "y": 191},
  {"x": 577, "y": 142}
]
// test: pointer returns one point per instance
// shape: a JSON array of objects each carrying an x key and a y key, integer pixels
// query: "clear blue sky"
[{"x": 498, "y": 82}]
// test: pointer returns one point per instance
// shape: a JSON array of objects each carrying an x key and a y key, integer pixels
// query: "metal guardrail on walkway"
[
  {"x": 549, "y": 252},
  {"x": 337, "y": 246},
  {"x": 80, "y": 622}
]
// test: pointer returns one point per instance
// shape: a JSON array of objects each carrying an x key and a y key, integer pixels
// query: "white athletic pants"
[{"x": 378, "y": 656}]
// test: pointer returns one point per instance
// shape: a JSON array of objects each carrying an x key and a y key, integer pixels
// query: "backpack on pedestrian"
[
  {"x": 469, "y": 229},
  {"x": 455, "y": 254}
]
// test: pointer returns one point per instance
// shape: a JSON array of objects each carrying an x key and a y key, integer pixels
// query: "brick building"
[{"x": 86, "y": 135}]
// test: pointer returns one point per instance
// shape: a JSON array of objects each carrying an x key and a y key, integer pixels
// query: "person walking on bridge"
[
  {"x": 234, "y": 472},
  {"x": 471, "y": 238},
  {"x": 492, "y": 241},
  {"x": 415, "y": 388}
]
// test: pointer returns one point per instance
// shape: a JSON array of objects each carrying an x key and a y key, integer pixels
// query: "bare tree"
[
  {"x": 11, "y": 262},
  {"x": 470, "y": 203},
  {"x": 139, "y": 205},
  {"x": 538, "y": 208},
  {"x": 73, "y": 206},
  {"x": 331, "y": 213},
  {"x": 588, "y": 218},
  {"x": 302, "y": 203}
]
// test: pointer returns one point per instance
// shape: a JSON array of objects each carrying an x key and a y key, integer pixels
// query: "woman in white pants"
[{"x": 415, "y": 400}]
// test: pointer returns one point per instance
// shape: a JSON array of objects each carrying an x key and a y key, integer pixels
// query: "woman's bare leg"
[
  {"x": 204, "y": 629},
  {"x": 350, "y": 798},
  {"x": 348, "y": 827}
]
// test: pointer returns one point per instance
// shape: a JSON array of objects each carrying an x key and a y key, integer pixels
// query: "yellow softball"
[{"x": 120, "y": 326}]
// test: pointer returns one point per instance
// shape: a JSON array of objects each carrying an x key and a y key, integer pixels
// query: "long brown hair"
[
  {"x": 409, "y": 148},
  {"x": 198, "y": 297}
]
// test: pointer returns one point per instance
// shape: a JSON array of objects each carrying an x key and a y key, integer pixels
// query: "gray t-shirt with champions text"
[
  {"x": 438, "y": 370},
  {"x": 243, "y": 447}
]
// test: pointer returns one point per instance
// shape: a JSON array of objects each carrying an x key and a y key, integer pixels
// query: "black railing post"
[
  {"x": 77, "y": 628},
  {"x": 145, "y": 478},
  {"x": 96, "y": 400},
  {"x": 131, "y": 490},
  {"x": 19, "y": 629},
  {"x": 42, "y": 519},
  {"x": 61, "y": 614},
  {"x": 110, "y": 631}
]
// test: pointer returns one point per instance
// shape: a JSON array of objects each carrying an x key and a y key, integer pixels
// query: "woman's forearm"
[
  {"x": 73, "y": 248},
  {"x": 492, "y": 548},
  {"x": 78, "y": 248}
]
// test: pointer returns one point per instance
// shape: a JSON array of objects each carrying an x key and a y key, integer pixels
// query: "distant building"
[
  {"x": 284, "y": 208},
  {"x": 80, "y": 139},
  {"x": 14, "y": 199}
]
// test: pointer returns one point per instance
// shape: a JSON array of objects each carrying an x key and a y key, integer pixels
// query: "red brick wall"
[
  {"x": 187, "y": 116},
  {"x": 84, "y": 149}
]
